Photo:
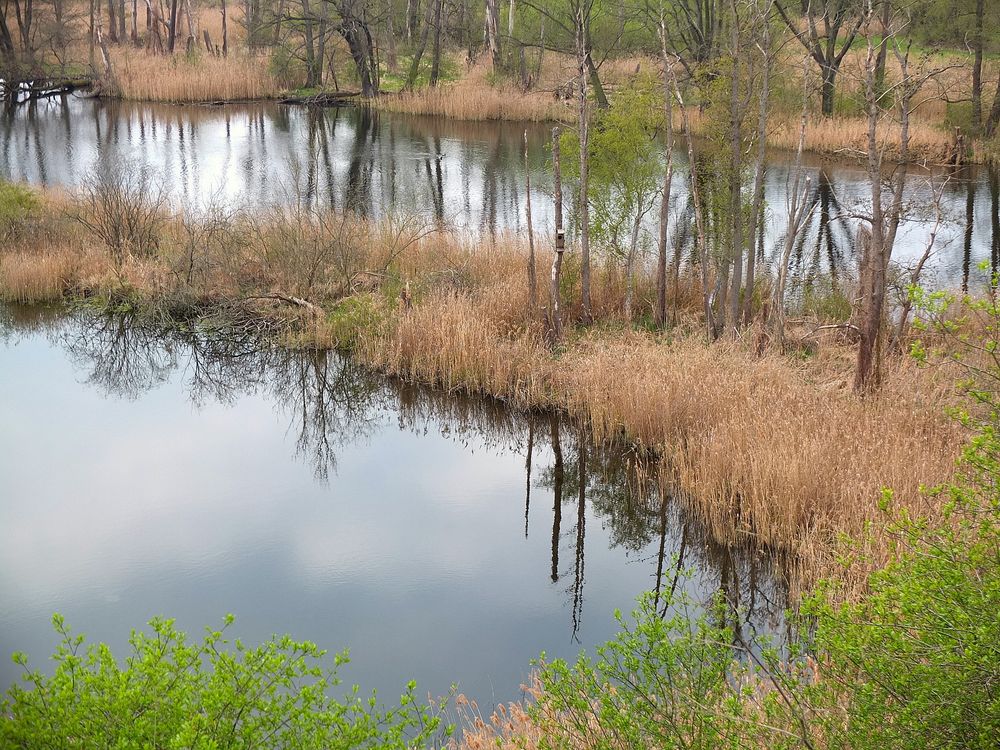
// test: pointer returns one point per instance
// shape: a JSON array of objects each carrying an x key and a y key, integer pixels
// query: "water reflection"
[
  {"x": 487, "y": 572},
  {"x": 461, "y": 174}
]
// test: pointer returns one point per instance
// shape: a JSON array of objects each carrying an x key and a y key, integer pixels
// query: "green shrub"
[
  {"x": 913, "y": 663},
  {"x": 18, "y": 205},
  {"x": 353, "y": 316},
  {"x": 170, "y": 693}
]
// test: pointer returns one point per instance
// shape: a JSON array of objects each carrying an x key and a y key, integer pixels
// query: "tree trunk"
[
  {"x": 660, "y": 313},
  {"x": 977, "y": 68},
  {"x": 828, "y": 89},
  {"x": 436, "y": 54},
  {"x": 392, "y": 58},
  {"x": 757, "y": 207},
  {"x": 735, "y": 182},
  {"x": 493, "y": 32},
  {"x": 190, "y": 24},
  {"x": 225, "y": 30},
  {"x": 532, "y": 280},
  {"x": 583, "y": 121},
  {"x": 358, "y": 36},
  {"x": 172, "y": 27},
  {"x": 555, "y": 313},
  {"x": 112, "y": 23},
  {"x": 883, "y": 49},
  {"x": 633, "y": 249},
  {"x": 308, "y": 33},
  {"x": 412, "y": 18},
  {"x": 418, "y": 54},
  {"x": 595, "y": 79},
  {"x": 994, "y": 119},
  {"x": 699, "y": 218}
]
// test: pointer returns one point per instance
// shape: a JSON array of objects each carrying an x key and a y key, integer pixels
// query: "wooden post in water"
[{"x": 560, "y": 244}]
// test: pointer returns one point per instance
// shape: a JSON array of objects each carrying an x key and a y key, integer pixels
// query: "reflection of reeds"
[{"x": 765, "y": 448}]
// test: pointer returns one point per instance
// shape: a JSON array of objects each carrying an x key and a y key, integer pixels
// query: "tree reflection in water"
[{"x": 332, "y": 402}]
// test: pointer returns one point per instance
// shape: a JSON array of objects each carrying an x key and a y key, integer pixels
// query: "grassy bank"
[{"x": 768, "y": 447}]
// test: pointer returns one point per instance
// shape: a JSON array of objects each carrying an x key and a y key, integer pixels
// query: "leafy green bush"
[
  {"x": 668, "y": 681},
  {"x": 18, "y": 205},
  {"x": 170, "y": 693},
  {"x": 913, "y": 663}
]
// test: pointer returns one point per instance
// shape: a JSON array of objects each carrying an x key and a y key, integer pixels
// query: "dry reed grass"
[
  {"x": 37, "y": 277},
  {"x": 474, "y": 98},
  {"x": 204, "y": 78}
]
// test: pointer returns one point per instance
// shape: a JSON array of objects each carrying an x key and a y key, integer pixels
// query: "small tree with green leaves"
[{"x": 625, "y": 174}]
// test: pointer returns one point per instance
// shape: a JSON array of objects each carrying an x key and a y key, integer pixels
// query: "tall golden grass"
[
  {"x": 203, "y": 78},
  {"x": 37, "y": 277},
  {"x": 475, "y": 98}
]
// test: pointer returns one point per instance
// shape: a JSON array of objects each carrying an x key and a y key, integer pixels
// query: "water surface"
[
  {"x": 465, "y": 175},
  {"x": 439, "y": 538}
]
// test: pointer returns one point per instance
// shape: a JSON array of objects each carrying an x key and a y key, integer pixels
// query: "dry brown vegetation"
[
  {"x": 473, "y": 98},
  {"x": 203, "y": 78},
  {"x": 770, "y": 448}
]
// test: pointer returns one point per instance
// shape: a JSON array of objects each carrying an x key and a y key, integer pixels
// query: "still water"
[
  {"x": 468, "y": 176},
  {"x": 439, "y": 538}
]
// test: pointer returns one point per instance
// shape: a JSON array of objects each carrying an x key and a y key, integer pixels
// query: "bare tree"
[
  {"x": 493, "y": 32},
  {"x": 123, "y": 204},
  {"x": 822, "y": 46},
  {"x": 555, "y": 313},
  {"x": 797, "y": 210},
  {"x": 532, "y": 281}
]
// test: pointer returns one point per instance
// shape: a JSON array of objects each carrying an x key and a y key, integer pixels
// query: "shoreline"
[
  {"x": 837, "y": 137},
  {"x": 768, "y": 448}
]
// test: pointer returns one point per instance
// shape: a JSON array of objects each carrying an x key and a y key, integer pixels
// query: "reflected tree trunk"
[{"x": 557, "y": 483}]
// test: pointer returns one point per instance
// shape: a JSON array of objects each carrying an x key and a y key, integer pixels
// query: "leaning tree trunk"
[{"x": 359, "y": 41}]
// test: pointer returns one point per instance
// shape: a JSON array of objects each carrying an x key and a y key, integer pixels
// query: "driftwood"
[
  {"x": 294, "y": 301},
  {"x": 327, "y": 98},
  {"x": 23, "y": 92}
]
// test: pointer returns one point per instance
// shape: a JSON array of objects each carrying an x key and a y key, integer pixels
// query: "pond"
[
  {"x": 438, "y": 537},
  {"x": 468, "y": 176}
]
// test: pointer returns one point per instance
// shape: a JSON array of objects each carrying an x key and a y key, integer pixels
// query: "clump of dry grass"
[
  {"x": 36, "y": 277},
  {"x": 463, "y": 101},
  {"x": 204, "y": 78},
  {"x": 474, "y": 98}
]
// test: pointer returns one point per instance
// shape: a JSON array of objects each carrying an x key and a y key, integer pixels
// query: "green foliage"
[
  {"x": 958, "y": 115},
  {"x": 286, "y": 67},
  {"x": 913, "y": 663},
  {"x": 826, "y": 303},
  {"x": 170, "y": 693},
  {"x": 668, "y": 680},
  {"x": 354, "y": 315},
  {"x": 625, "y": 166},
  {"x": 18, "y": 205},
  {"x": 450, "y": 70}
]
